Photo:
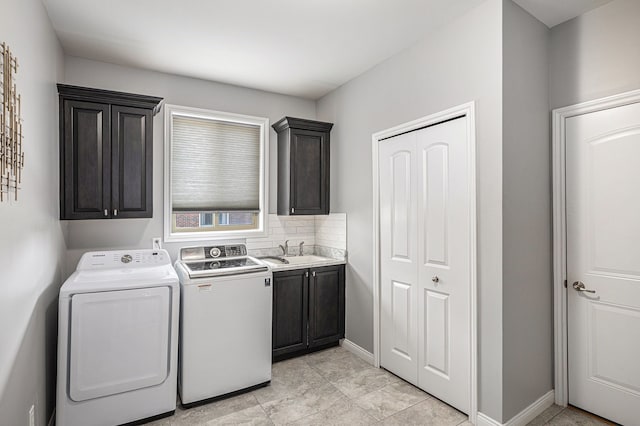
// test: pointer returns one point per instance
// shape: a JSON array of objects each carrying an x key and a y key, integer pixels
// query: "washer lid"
[
  {"x": 119, "y": 279},
  {"x": 231, "y": 266},
  {"x": 121, "y": 269}
]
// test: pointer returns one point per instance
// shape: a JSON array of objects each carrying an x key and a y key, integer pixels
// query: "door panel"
[
  {"x": 309, "y": 169},
  {"x": 290, "y": 311},
  {"x": 435, "y": 185},
  {"x": 401, "y": 206},
  {"x": 401, "y": 317},
  {"x": 443, "y": 273},
  {"x": 398, "y": 256},
  {"x": 622, "y": 370},
  {"x": 326, "y": 305},
  {"x": 613, "y": 225},
  {"x": 436, "y": 325},
  {"x": 119, "y": 341},
  {"x": 87, "y": 150},
  {"x": 132, "y": 151},
  {"x": 603, "y": 230}
]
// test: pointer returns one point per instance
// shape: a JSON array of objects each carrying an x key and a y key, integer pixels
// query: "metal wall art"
[{"x": 11, "y": 155}]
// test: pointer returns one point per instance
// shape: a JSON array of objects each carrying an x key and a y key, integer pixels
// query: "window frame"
[{"x": 262, "y": 222}]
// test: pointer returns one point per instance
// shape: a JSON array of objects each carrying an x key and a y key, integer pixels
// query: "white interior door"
[
  {"x": 443, "y": 268},
  {"x": 398, "y": 257},
  {"x": 603, "y": 255},
  {"x": 425, "y": 259}
]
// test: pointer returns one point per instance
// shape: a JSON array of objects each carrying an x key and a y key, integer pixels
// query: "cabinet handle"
[
  {"x": 314, "y": 273},
  {"x": 106, "y": 212},
  {"x": 115, "y": 212},
  {"x": 306, "y": 274},
  {"x": 293, "y": 210}
]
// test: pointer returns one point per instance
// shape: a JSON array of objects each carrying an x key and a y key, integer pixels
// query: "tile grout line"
[
  {"x": 555, "y": 415},
  {"x": 412, "y": 405}
]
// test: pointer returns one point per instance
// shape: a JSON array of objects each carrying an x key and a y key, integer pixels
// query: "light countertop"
[{"x": 301, "y": 262}]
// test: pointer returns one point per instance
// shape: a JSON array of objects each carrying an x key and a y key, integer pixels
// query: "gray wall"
[
  {"x": 596, "y": 54},
  {"x": 86, "y": 235},
  {"x": 462, "y": 62},
  {"x": 31, "y": 244},
  {"x": 527, "y": 298}
]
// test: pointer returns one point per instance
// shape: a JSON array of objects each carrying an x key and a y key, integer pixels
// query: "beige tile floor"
[
  {"x": 570, "y": 416},
  {"x": 334, "y": 387}
]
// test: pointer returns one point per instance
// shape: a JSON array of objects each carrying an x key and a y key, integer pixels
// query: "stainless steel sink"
[
  {"x": 280, "y": 259},
  {"x": 295, "y": 260}
]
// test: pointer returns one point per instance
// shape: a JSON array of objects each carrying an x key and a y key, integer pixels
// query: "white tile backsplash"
[
  {"x": 328, "y": 231},
  {"x": 331, "y": 231}
]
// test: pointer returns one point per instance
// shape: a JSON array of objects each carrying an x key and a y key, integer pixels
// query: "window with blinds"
[{"x": 216, "y": 164}]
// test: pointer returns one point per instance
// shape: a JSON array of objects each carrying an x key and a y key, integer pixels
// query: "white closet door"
[
  {"x": 443, "y": 195},
  {"x": 398, "y": 256}
]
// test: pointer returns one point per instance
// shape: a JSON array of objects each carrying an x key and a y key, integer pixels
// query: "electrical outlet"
[
  {"x": 156, "y": 243},
  {"x": 32, "y": 416}
]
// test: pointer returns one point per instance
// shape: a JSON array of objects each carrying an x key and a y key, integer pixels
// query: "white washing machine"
[
  {"x": 225, "y": 326},
  {"x": 118, "y": 339}
]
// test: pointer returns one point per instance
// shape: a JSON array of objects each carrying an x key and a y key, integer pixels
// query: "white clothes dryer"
[{"x": 118, "y": 339}]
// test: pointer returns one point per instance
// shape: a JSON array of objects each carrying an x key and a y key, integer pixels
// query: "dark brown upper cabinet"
[
  {"x": 303, "y": 166},
  {"x": 106, "y": 153}
]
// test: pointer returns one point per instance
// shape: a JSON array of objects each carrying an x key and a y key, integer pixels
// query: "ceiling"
[
  {"x": 303, "y": 48},
  {"x": 554, "y": 12}
]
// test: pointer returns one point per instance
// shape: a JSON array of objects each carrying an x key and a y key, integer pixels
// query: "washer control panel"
[
  {"x": 213, "y": 252},
  {"x": 235, "y": 250},
  {"x": 123, "y": 259}
]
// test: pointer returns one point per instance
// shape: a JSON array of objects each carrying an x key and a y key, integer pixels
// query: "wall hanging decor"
[{"x": 11, "y": 154}]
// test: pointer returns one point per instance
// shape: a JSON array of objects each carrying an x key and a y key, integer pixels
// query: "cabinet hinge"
[{"x": 565, "y": 283}]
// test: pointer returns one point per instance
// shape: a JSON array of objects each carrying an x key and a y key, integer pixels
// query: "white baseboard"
[
  {"x": 358, "y": 351},
  {"x": 533, "y": 411},
  {"x": 523, "y": 417},
  {"x": 484, "y": 420}
]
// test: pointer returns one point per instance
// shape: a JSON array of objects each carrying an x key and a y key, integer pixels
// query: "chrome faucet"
[
  {"x": 300, "y": 252},
  {"x": 285, "y": 248}
]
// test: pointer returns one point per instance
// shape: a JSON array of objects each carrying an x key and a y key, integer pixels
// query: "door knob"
[
  {"x": 435, "y": 279},
  {"x": 579, "y": 286}
]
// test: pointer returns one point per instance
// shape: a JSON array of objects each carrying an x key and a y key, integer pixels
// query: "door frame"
[
  {"x": 558, "y": 152},
  {"x": 465, "y": 110}
]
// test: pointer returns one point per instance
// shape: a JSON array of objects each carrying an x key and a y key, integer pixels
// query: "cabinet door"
[
  {"x": 326, "y": 305},
  {"x": 132, "y": 156},
  {"x": 309, "y": 172},
  {"x": 290, "y": 311},
  {"x": 86, "y": 150}
]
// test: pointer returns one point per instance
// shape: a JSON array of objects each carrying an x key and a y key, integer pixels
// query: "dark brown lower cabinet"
[
  {"x": 290, "y": 311},
  {"x": 308, "y": 310}
]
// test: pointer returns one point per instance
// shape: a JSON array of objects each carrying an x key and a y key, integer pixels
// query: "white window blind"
[{"x": 215, "y": 165}]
